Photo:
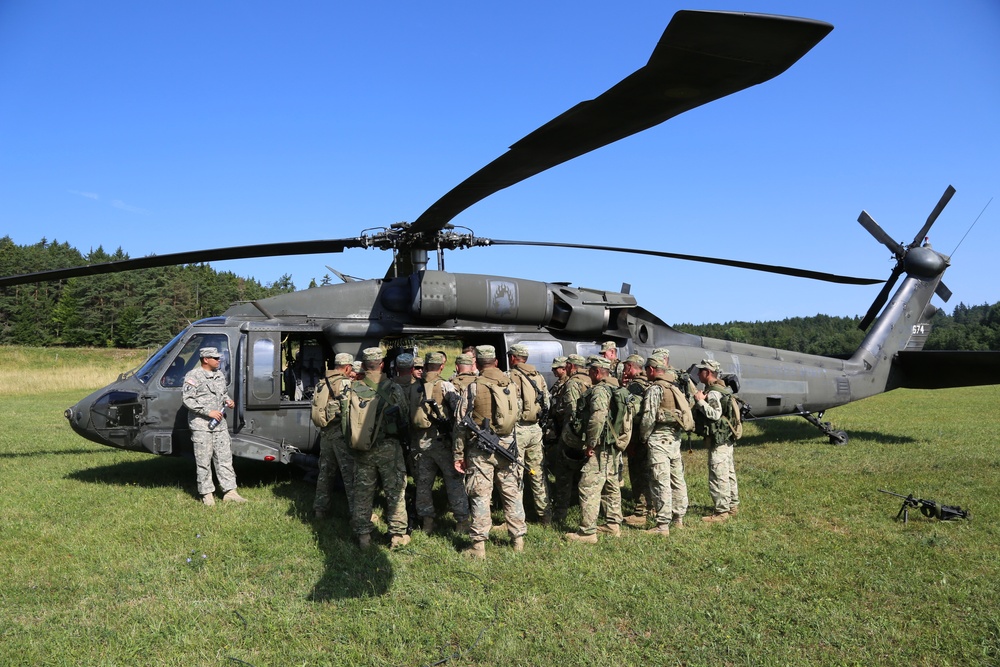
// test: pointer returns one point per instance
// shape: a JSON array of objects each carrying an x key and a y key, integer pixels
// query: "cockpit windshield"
[{"x": 146, "y": 370}]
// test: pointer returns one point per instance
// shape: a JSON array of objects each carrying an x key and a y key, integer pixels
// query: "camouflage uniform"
[
  {"x": 204, "y": 392},
  {"x": 484, "y": 469},
  {"x": 433, "y": 447},
  {"x": 384, "y": 460},
  {"x": 722, "y": 485},
  {"x": 529, "y": 431},
  {"x": 334, "y": 452},
  {"x": 638, "y": 454},
  {"x": 567, "y": 460},
  {"x": 599, "y": 478},
  {"x": 660, "y": 429}
]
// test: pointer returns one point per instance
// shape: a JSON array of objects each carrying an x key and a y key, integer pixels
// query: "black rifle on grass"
[{"x": 929, "y": 508}]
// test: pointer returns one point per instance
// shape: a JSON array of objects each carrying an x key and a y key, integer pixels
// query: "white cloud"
[
  {"x": 118, "y": 203},
  {"x": 88, "y": 195}
]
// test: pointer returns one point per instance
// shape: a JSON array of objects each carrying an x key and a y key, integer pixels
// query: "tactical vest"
[
  {"x": 727, "y": 428},
  {"x": 496, "y": 400},
  {"x": 326, "y": 407},
  {"x": 531, "y": 387}
]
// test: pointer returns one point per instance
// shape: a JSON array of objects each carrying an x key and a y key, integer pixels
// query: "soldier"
[
  {"x": 433, "y": 421},
  {"x": 663, "y": 417},
  {"x": 609, "y": 350},
  {"x": 465, "y": 366},
  {"x": 356, "y": 371},
  {"x": 711, "y": 408},
  {"x": 404, "y": 370},
  {"x": 634, "y": 379},
  {"x": 531, "y": 383},
  {"x": 205, "y": 397},
  {"x": 567, "y": 460},
  {"x": 418, "y": 368},
  {"x": 482, "y": 469},
  {"x": 680, "y": 378},
  {"x": 384, "y": 456},
  {"x": 599, "y": 484},
  {"x": 333, "y": 449}
]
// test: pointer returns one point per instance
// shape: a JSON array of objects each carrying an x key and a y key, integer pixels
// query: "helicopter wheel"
[{"x": 838, "y": 438}]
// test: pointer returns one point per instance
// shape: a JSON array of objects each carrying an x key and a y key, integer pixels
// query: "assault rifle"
[
  {"x": 929, "y": 508},
  {"x": 490, "y": 443}
]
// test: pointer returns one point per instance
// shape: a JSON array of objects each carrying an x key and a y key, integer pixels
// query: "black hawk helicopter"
[{"x": 274, "y": 349}]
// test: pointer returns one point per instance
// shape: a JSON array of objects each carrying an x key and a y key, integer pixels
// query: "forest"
[{"x": 148, "y": 307}]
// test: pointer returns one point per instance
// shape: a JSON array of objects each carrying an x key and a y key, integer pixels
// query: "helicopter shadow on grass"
[
  {"x": 348, "y": 572},
  {"x": 790, "y": 429}
]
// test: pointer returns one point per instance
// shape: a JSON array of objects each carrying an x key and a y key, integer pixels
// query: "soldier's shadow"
[{"x": 348, "y": 571}]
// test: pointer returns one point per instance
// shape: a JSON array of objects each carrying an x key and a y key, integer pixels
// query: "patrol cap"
[
  {"x": 656, "y": 361},
  {"x": 212, "y": 352},
  {"x": 404, "y": 360},
  {"x": 558, "y": 362},
  {"x": 485, "y": 353},
  {"x": 418, "y": 362},
  {"x": 635, "y": 359},
  {"x": 372, "y": 354},
  {"x": 434, "y": 358},
  {"x": 519, "y": 350},
  {"x": 577, "y": 360},
  {"x": 711, "y": 365},
  {"x": 356, "y": 366},
  {"x": 465, "y": 359},
  {"x": 662, "y": 352},
  {"x": 608, "y": 345},
  {"x": 342, "y": 359},
  {"x": 599, "y": 362}
]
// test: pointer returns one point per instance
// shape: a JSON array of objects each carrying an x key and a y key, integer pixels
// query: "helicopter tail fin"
[{"x": 903, "y": 324}]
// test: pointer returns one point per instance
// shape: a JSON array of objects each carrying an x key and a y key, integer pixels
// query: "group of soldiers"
[{"x": 490, "y": 433}]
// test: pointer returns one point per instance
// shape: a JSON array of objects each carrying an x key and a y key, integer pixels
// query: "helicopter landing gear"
[{"x": 836, "y": 437}]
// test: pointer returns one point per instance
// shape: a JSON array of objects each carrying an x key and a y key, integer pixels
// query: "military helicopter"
[{"x": 274, "y": 349}]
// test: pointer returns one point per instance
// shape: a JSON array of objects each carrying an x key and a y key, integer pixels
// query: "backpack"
[
  {"x": 621, "y": 415},
  {"x": 429, "y": 410},
  {"x": 326, "y": 405},
  {"x": 531, "y": 397},
  {"x": 365, "y": 407},
  {"x": 503, "y": 398},
  {"x": 683, "y": 413}
]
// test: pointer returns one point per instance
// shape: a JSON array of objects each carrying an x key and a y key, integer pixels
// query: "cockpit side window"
[{"x": 188, "y": 358}]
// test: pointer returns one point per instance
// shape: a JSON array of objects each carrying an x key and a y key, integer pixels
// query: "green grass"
[{"x": 95, "y": 542}]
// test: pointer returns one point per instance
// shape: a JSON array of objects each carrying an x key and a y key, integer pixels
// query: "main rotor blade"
[
  {"x": 894, "y": 246},
  {"x": 882, "y": 297},
  {"x": 701, "y": 57},
  {"x": 753, "y": 266},
  {"x": 945, "y": 198},
  {"x": 190, "y": 257}
]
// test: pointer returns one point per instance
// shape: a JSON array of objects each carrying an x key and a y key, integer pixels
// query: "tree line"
[
  {"x": 148, "y": 307},
  {"x": 143, "y": 308}
]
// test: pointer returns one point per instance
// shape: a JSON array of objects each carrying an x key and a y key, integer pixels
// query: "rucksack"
[
  {"x": 326, "y": 406},
  {"x": 365, "y": 407},
  {"x": 503, "y": 397},
  {"x": 531, "y": 399},
  {"x": 683, "y": 413},
  {"x": 621, "y": 415}
]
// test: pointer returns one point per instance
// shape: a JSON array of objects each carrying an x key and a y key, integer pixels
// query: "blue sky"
[{"x": 169, "y": 126}]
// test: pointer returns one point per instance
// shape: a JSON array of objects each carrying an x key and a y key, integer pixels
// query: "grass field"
[{"x": 109, "y": 560}]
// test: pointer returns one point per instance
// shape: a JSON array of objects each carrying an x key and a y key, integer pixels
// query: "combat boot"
[
  {"x": 518, "y": 544},
  {"x": 715, "y": 518},
  {"x": 428, "y": 524},
  {"x": 320, "y": 514},
  {"x": 365, "y": 541},
  {"x": 677, "y": 522},
  {"x": 477, "y": 551},
  {"x": 636, "y": 521},
  {"x": 612, "y": 529},
  {"x": 663, "y": 530},
  {"x": 232, "y": 497},
  {"x": 398, "y": 541},
  {"x": 208, "y": 499},
  {"x": 583, "y": 539},
  {"x": 734, "y": 510},
  {"x": 463, "y": 526}
]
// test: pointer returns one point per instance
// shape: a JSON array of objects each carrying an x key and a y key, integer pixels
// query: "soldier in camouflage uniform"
[
  {"x": 432, "y": 431},
  {"x": 609, "y": 350},
  {"x": 465, "y": 371},
  {"x": 334, "y": 451},
  {"x": 660, "y": 425},
  {"x": 599, "y": 482},
  {"x": 529, "y": 429},
  {"x": 634, "y": 379},
  {"x": 719, "y": 441},
  {"x": 384, "y": 459},
  {"x": 483, "y": 469},
  {"x": 205, "y": 398},
  {"x": 567, "y": 459}
]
